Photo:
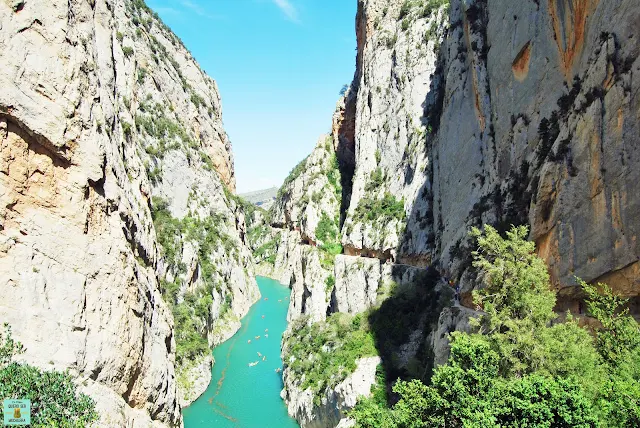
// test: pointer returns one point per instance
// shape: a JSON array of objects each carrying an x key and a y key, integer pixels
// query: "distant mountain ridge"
[{"x": 262, "y": 198}]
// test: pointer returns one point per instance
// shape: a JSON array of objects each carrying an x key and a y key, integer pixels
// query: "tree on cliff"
[
  {"x": 55, "y": 400},
  {"x": 517, "y": 369}
]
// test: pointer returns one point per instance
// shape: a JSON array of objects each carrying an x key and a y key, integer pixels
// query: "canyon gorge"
[{"x": 125, "y": 255}]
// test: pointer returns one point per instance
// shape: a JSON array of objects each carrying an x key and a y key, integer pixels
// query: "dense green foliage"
[
  {"x": 55, "y": 400},
  {"x": 519, "y": 369},
  {"x": 324, "y": 353},
  {"x": 191, "y": 314},
  {"x": 618, "y": 343},
  {"x": 385, "y": 209}
]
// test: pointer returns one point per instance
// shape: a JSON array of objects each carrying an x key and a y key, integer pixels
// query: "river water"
[{"x": 240, "y": 395}]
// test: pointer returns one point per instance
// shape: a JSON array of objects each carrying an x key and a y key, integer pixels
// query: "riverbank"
[{"x": 245, "y": 387}]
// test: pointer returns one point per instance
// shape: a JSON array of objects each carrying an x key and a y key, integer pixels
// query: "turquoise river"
[{"x": 240, "y": 395}]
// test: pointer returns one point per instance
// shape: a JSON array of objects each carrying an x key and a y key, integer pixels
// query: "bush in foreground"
[
  {"x": 517, "y": 369},
  {"x": 55, "y": 400}
]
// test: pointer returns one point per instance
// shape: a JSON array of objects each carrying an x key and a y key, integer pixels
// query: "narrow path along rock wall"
[
  {"x": 519, "y": 115},
  {"x": 105, "y": 118}
]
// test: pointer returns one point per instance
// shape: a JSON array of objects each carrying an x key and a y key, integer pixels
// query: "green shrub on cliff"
[
  {"x": 168, "y": 133},
  {"x": 323, "y": 354},
  {"x": 328, "y": 234},
  {"x": 385, "y": 209},
  {"x": 55, "y": 400},
  {"x": 518, "y": 369},
  {"x": 431, "y": 6},
  {"x": 191, "y": 315}
]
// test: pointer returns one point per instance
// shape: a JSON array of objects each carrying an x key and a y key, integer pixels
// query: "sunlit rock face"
[
  {"x": 495, "y": 112},
  {"x": 473, "y": 112},
  {"x": 331, "y": 412},
  {"x": 102, "y": 110}
]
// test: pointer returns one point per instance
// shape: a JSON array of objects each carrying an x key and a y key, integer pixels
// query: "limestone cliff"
[
  {"x": 113, "y": 167},
  {"x": 306, "y": 221},
  {"x": 397, "y": 57},
  {"x": 520, "y": 114},
  {"x": 469, "y": 112},
  {"x": 334, "y": 403}
]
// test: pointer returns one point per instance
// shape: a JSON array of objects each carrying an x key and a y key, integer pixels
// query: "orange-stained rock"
[
  {"x": 569, "y": 21},
  {"x": 520, "y": 64}
]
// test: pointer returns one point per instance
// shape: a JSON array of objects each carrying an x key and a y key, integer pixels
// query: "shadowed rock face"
[{"x": 102, "y": 109}]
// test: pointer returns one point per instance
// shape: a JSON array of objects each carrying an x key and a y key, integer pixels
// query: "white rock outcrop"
[
  {"x": 335, "y": 402},
  {"x": 357, "y": 282},
  {"x": 451, "y": 319}
]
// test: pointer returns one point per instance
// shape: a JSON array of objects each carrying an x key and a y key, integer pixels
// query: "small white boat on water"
[{"x": 255, "y": 363}]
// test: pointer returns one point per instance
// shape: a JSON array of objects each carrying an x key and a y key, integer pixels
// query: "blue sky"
[{"x": 279, "y": 65}]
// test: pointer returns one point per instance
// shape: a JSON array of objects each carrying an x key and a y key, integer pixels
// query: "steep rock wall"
[
  {"x": 103, "y": 113},
  {"x": 307, "y": 216},
  {"x": 470, "y": 112},
  {"x": 519, "y": 114},
  {"x": 556, "y": 149},
  {"x": 397, "y": 56}
]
